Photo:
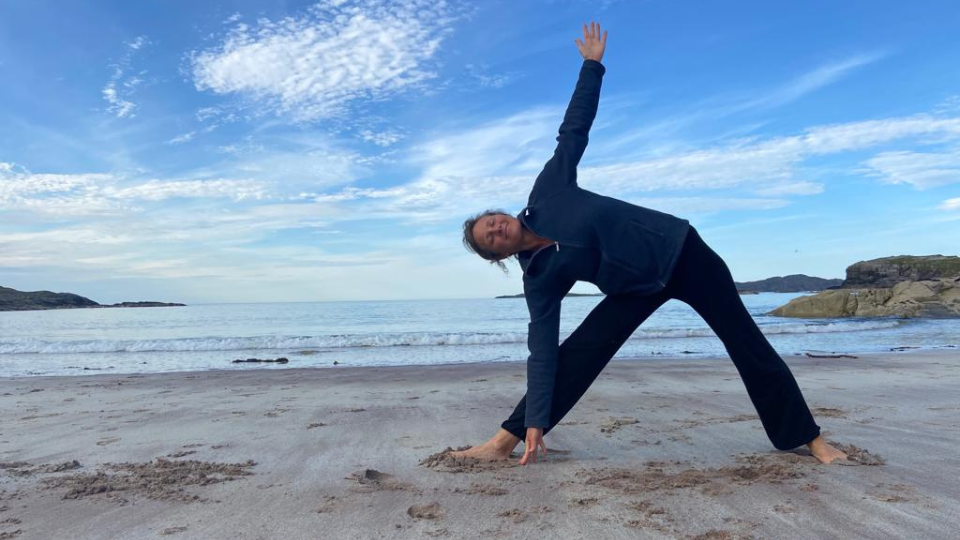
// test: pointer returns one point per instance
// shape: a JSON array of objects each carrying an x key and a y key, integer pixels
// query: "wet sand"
[{"x": 655, "y": 449}]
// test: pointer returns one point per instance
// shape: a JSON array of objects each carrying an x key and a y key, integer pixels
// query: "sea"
[{"x": 333, "y": 335}]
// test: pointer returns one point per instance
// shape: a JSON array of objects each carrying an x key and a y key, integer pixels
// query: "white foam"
[{"x": 414, "y": 339}]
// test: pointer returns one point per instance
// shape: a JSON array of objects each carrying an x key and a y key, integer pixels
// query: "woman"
[{"x": 639, "y": 258}]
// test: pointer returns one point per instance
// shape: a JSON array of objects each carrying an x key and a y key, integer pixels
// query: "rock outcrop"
[
  {"x": 938, "y": 298},
  {"x": 889, "y": 271},
  {"x": 902, "y": 286}
]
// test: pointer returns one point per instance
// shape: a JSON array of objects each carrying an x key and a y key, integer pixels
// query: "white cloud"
[
  {"x": 121, "y": 87},
  {"x": 16, "y": 180},
  {"x": 480, "y": 75},
  {"x": 384, "y": 138},
  {"x": 105, "y": 194},
  {"x": 139, "y": 42},
  {"x": 791, "y": 188},
  {"x": 122, "y": 108},
  {"x": 494, "y": 165},
  {"x": 950, "y": 105},
  {"x": 767, "y": 165},
  {"x": 312, "y": 66},
  {"x": 950, "y": 204},
  {"x": 180, "y": 139},
  {"x": 920, "y": 169},
  {"x": 814, "y": 80},
  {"x": 307, "y": 165},
  {"x": 157, "y": 190}
]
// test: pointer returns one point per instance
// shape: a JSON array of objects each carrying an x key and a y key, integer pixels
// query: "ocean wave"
[{"x": 413, "y": 339}]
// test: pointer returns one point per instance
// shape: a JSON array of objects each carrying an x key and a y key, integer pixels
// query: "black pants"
[{"x": 702, "y": 280}]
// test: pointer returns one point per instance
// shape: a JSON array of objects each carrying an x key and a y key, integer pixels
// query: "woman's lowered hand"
[
  {"x": 533, "y": 442},
  {"x": 592, "y": 46}
]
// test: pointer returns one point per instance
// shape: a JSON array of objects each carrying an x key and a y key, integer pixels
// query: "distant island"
[
  {"x": 791, "y": 283},
  {"x": 14, "y": 300}
]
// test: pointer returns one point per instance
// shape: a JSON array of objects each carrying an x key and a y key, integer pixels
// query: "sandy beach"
[{"x": 655, "y": 449}]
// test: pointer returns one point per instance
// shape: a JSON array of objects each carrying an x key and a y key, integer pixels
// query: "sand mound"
[
  {"x": 860, "y": 455},
  {"x": 160, "y": 479},
  {"x": 23, "y": 468},
  {"x": 658, "y": 476},
  {"x": 443, "y": 461}
]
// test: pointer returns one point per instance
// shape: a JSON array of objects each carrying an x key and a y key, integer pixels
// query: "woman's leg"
[
  {"x": 585, "y": 353},
  {"x": 702, "y": 280}
]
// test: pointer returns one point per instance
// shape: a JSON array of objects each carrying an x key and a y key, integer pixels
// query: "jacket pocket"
[
  {"x": 634, "y": 261},
  {"x": 614, "y": 277}
]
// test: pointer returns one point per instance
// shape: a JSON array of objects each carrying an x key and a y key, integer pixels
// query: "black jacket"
[{"x": 620, "y": 247}]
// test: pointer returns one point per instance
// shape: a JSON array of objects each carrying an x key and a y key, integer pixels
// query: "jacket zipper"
[{"x": 526, "y": 212}]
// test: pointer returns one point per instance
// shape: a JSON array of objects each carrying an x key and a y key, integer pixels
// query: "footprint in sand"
[
  {"x": 518, "y": 515},
  {"x": 426, "y": 511},
  {"x": 614, "y": 424},
  {"x": 370, "y": 480},
  {"x": 828, "y": 412},
  {"x": 482, "y": 489},
  {"x": 329, "y": 502}
]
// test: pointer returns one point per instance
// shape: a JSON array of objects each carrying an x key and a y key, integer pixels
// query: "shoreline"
[
  {"x": 653, "y": 450},
  {"x": 269, "y": 366}
]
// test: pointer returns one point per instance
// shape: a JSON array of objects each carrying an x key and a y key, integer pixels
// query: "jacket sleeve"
[
  {"x": 561, "y": 170},
  {"x": 543, "y": 340}
]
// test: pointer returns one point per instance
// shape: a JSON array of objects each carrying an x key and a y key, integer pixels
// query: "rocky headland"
[
  {"x": 14, "y": 300},
  {"x": 903, "y": 286},
  {"x": 791, "y": 283}
]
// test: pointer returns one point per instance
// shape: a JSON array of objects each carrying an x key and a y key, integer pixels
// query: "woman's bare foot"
[
  {"x": 497, "y": 448},
  {"x": 822, "y": 450}
]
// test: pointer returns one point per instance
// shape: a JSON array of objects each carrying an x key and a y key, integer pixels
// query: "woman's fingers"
[
  {"x": 593, "y": 33},
  {"x": 526, "y": 455}
]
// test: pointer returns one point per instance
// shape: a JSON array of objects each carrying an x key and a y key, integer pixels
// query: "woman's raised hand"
[{"x": 592, "y": 45}]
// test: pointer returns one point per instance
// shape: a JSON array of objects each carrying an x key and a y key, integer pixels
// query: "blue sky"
[{"x": 294, "y": 151}]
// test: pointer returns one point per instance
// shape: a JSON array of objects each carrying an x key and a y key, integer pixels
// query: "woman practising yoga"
[{"x": 639, "y": 258}]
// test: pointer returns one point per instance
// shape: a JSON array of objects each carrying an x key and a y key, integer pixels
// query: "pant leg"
[
  {"x": 702, "y": 280},
  {"x": 585, "y": 353}
]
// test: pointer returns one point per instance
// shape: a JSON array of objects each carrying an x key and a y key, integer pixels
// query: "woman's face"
[{"x": 499, "y": 233}]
